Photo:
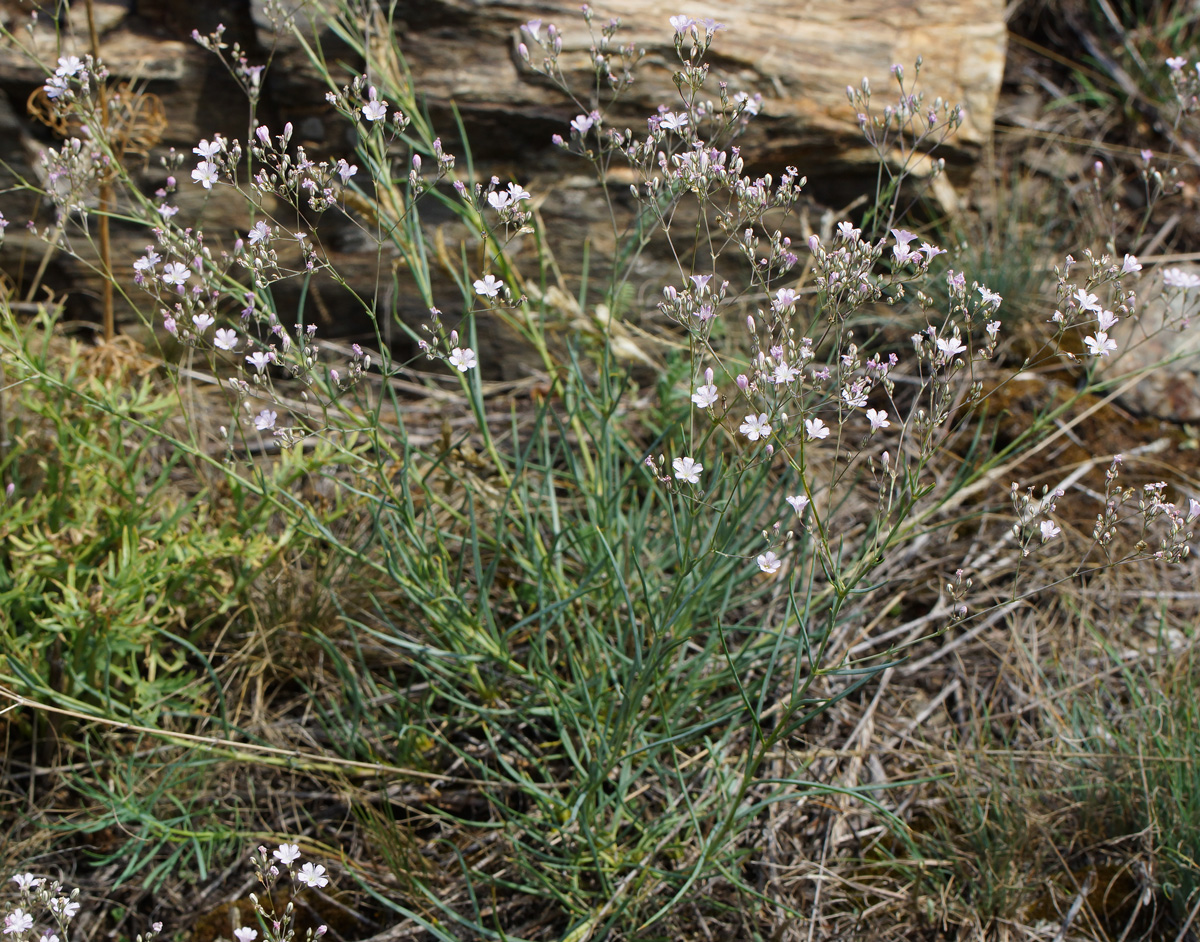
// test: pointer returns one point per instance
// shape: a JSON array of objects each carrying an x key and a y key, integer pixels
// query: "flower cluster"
[{"x": 43, "y": 911}]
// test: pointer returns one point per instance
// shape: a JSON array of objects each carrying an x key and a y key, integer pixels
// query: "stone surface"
[{"x": 798, "y": 55}]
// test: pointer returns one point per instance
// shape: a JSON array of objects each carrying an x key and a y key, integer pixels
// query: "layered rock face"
[{"x": 798, "y": 55}]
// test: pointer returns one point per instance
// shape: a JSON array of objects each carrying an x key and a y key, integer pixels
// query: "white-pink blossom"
[{"x": 687, "y": 469}]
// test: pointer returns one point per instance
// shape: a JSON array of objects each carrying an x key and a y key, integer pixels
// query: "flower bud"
[
  {"x": 263, "y": 133},
  {"x": 743, "y": 383}
]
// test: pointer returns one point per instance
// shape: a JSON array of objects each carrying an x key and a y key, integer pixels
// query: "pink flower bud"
[
  {"x": 416, "y": 162},
  {"x": 743, "y": 383},
  {"x": 814, "y": 243},
  {"x": 263, "y": 133},
  {"x": 708, "y": 376},
  {"x": 750, "y": 323}
]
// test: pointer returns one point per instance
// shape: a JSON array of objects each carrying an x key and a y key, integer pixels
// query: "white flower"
[
  {"x": 582, "y": 123},
  {"x": 768, "y": 562},
  {"x": 208, "y": 150},
  {"x": 56, "y": 86},
  {"x": 374, "y": 110},
  {"x": 517, "y": 193},
  {"x": 798, "y": 502},
  {"x": 673, "y": 121},
  {"x": 287, "y": 854},
  {"x": 17, "y": 921},
  {"x": 1101, "y": 345},
  {"x": 784, "y": 373},
  {"x": 854, "y": 396},
  {"x": 950, "y": 348},
  {"x": 64, "y": 907},
  {"x": 499, "y": 199},
  {"x": 312, "y": 875},
  {"x": 245, "y": 934},
  {"x": 1049, "y": 530},
  {"x": 345, "y": 170},
  {"x": 755, "y": 427},
  {"x": 687, "y": 469},
  {"x": 148, "y": 261},
  {"x": 784, "y": 298},
  {"x": 1175, "y": 63},
  {"x": 990, "y": 297},
  {"x": 1105, "y": 320},
  {"x": 847, "y": 232},
  {"x": 681, "y": 23},
  {"x": 176, "y": 273},
  {"x": 489, "y": 286},
  {"x": 463, "y": 359},
  {"x": 1178, "y": 278},
  {"x": 1193, "y": 513},
  {"x": 68, "y": 65},
  {"x": 260, "y": 233},
  {"x": 705, "y": 396},
  {"x": 878, "y": 419},
  {"x": 1130, "y": 265},
  {"x": 1086, "y": 302},
  {"x": 202, "y": 321},
  {"x": 225, "y": 339},
  {"x": 259, "y": 361},
  {"x": 265, "y": 420},
  {"x": 816, "y": 429},
  {"x": 205, "y": 174},
  {"x": 27, "y": 881}
]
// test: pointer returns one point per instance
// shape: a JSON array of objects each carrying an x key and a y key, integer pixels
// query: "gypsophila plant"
[
  {"x": 44, "y": 909},
  {"x": 616, "y": 627}
]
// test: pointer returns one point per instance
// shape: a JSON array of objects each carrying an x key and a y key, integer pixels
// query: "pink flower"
[
  {"x": 1049, "y": 530},
  {"x": 245, "y": 935},
  {"x": 345, "y": 170},
  {"x": 202, "y": 321},
  {"x": 265, "y": 420},
  {"x": 582, "y": 123},
  {"x": 878, "y": 419},
  {"x": 225, "y": 339}
]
